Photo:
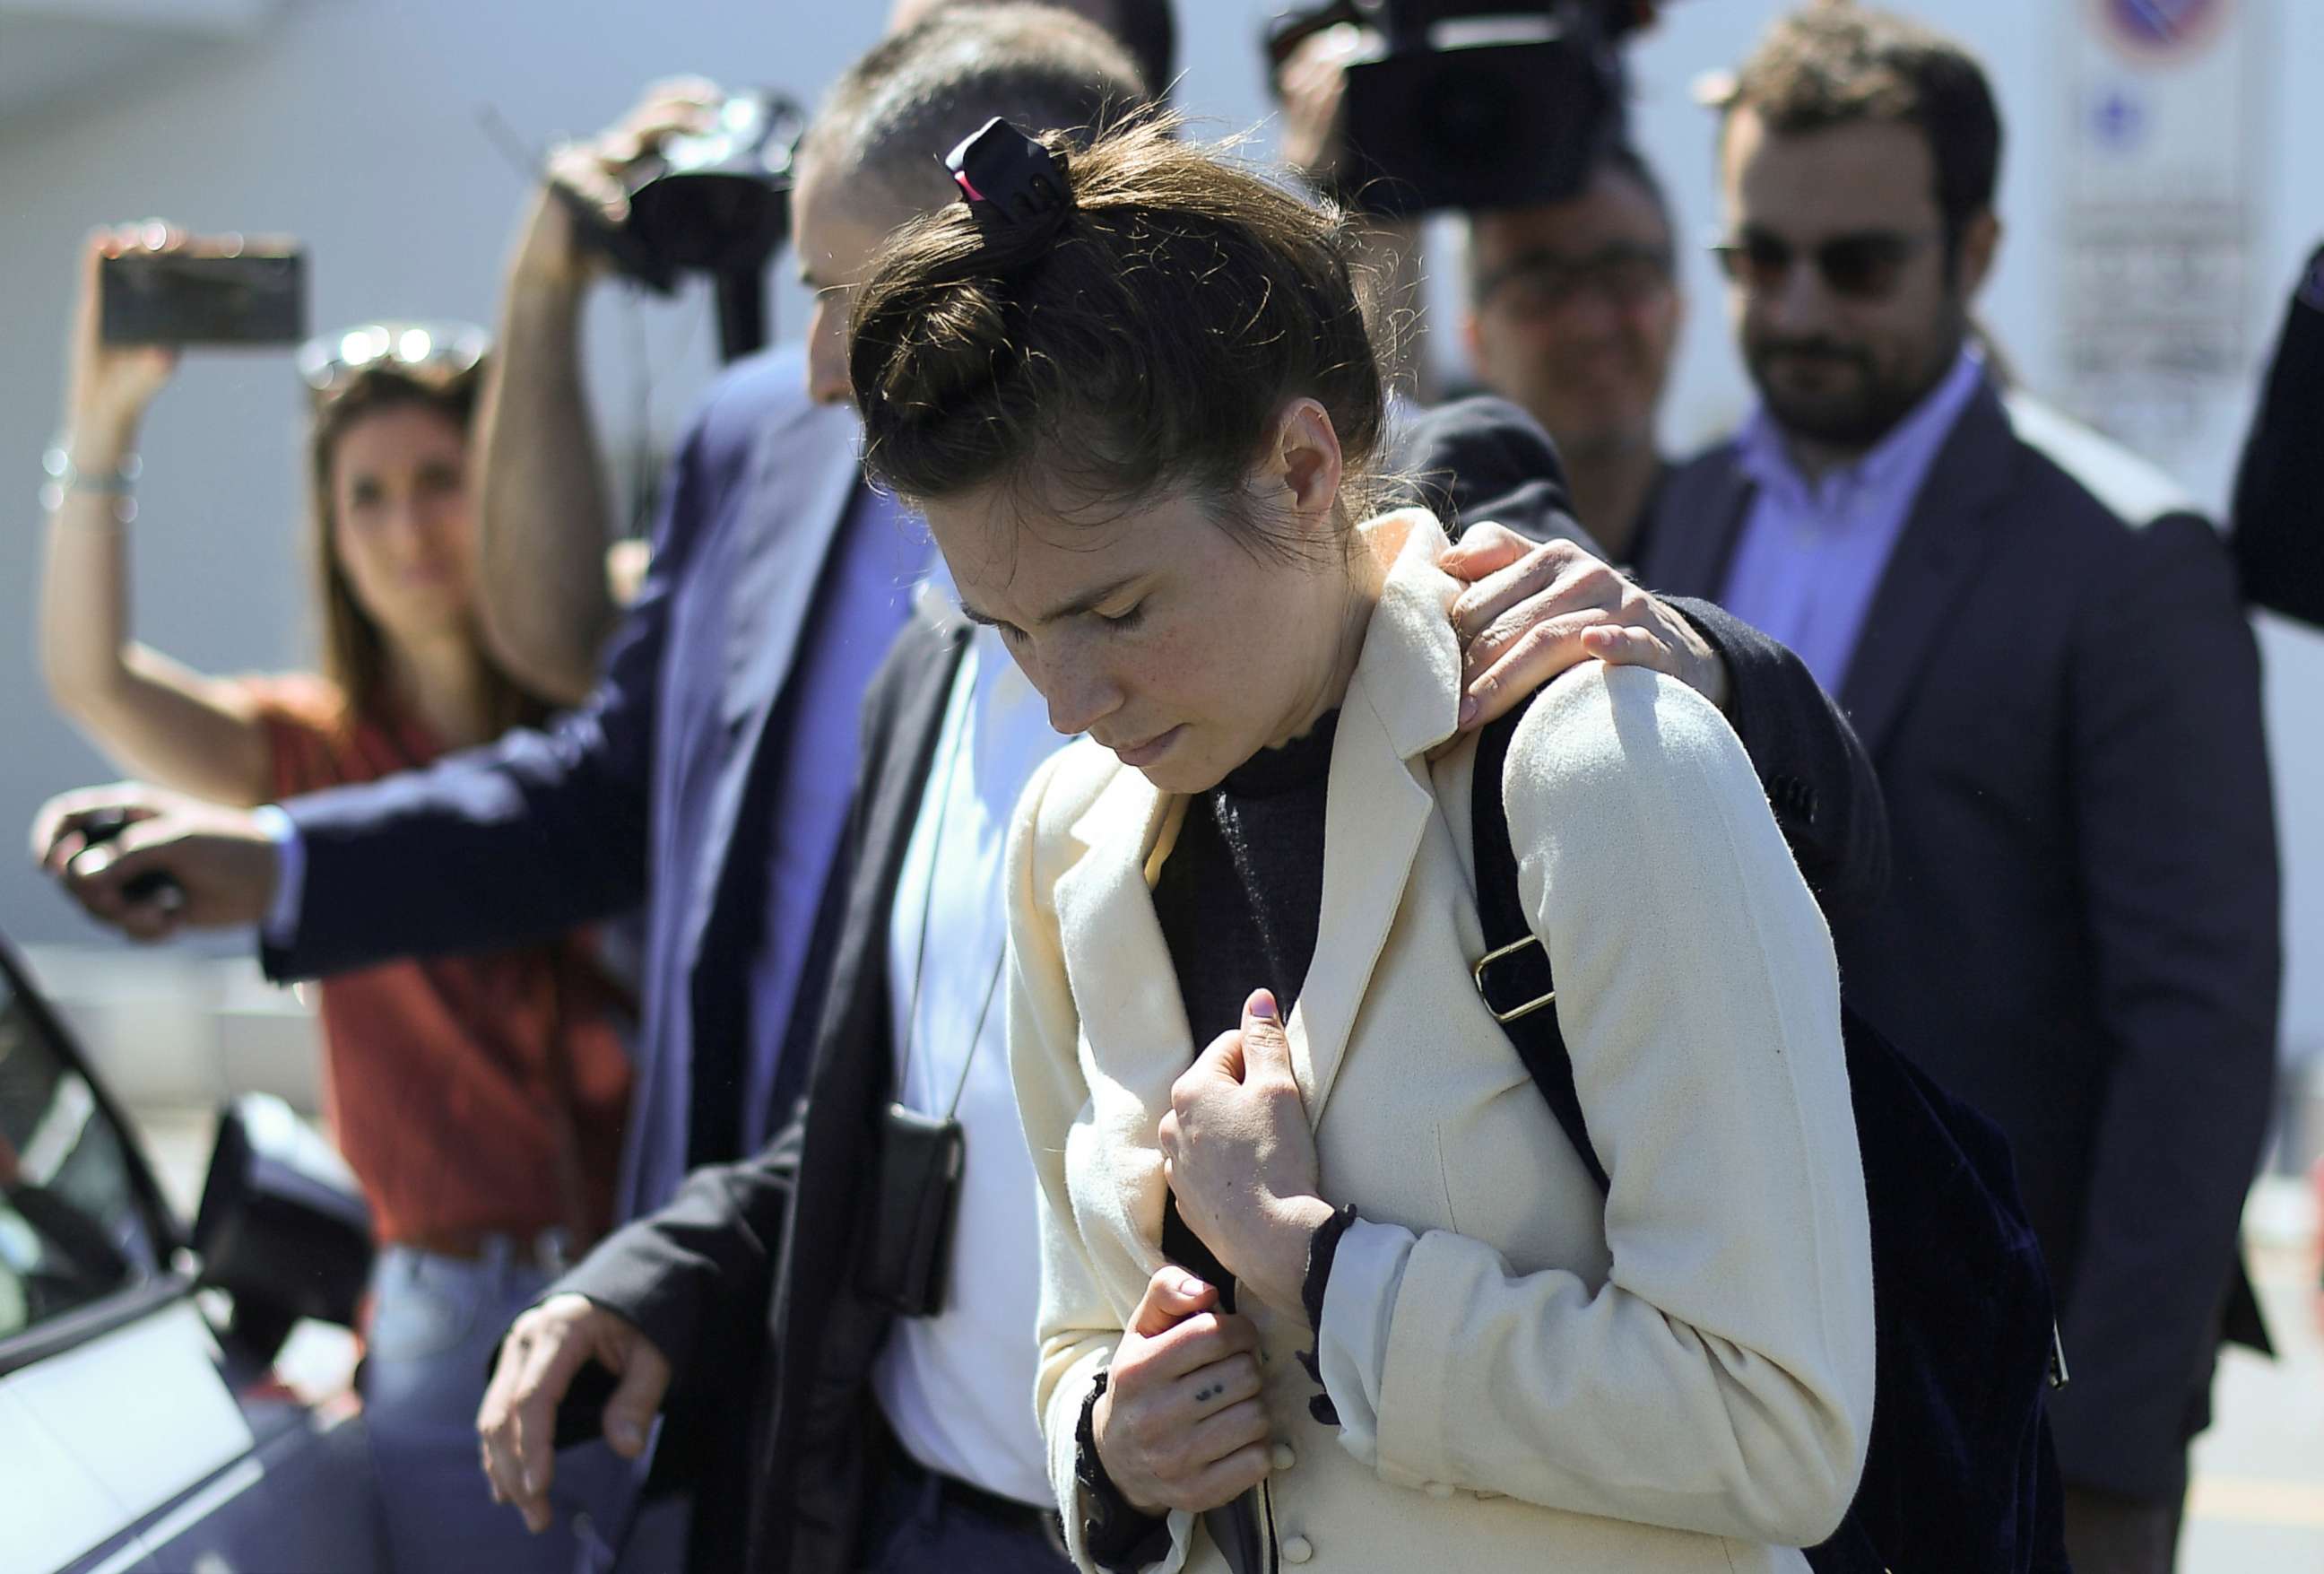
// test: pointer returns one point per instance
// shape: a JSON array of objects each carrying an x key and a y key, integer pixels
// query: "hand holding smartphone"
[
  {"x": 202, "y": 290},
  {"x": 146, "y": 292}
]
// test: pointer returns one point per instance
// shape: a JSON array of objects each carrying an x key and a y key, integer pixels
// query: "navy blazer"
[
  {"x": 644, "y": 793},
  {"x": 2062, "y": 696}
]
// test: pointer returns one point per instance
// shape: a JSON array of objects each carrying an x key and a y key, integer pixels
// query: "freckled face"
[{"x": 1156, "y": 631}]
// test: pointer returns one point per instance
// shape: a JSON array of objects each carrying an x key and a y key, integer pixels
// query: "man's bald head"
[
  {"x": 890, "y": 117},
  {"x": 1147, "y": 29}
]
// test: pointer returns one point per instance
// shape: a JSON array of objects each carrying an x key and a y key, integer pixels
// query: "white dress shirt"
[{"x": 958, "y": 1388}]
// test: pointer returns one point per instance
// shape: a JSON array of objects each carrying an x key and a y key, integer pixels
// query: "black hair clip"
[{"x": 1000, "y": 165}]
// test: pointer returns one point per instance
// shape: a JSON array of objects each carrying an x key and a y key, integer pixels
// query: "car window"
[{"x": 73, "y": 1226}]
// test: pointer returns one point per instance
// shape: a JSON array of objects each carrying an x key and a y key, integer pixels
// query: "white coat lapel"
[
  {"x": 1403, "y": 700},
  {"x": 1135, "y": 1040},
  {"x": 1116, "y": 957},
  {"x": 1377, "y": 811}
]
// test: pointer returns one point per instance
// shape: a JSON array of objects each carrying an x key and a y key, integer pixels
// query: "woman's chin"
[
  {"x": 1173, "y": 767},
  {"x": 423, "y": 615},
  {"x": 1155, "y": 751}
]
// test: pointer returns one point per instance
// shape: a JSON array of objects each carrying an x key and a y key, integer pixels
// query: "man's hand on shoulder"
[{"x": 1534, "y": 609}]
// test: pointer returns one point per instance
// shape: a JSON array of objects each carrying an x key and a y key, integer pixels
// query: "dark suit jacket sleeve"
[
  {"x": 2279, "y": 510},
  {"x": 1485, "y": 459},
  {"x": 696, "y": 1274},
  {"x": 1819, "y": 781},
  {"x": 2175, "y": 844},
  {"x": 509, "y": 843}
]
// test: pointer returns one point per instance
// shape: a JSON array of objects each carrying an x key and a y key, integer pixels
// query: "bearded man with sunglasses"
[{"x": 2043, "y": 648}]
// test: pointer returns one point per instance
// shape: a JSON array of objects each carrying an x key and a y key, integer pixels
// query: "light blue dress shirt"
[{"x": 1811, "y": 553}]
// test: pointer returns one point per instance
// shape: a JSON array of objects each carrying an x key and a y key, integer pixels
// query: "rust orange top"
[{"x": 442, "y": 1074}]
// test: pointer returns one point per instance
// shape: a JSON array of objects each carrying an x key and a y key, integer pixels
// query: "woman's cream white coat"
[{"x": 1675, "y": 1376}]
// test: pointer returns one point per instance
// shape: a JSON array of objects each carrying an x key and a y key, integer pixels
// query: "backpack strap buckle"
[{"x": 1510, "y": 953}]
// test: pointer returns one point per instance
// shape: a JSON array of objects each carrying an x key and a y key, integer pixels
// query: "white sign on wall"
[{"x": 2159, "y": 223}]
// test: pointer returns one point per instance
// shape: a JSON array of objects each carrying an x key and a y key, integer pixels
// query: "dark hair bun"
[{"x": 1143, "y": 334}]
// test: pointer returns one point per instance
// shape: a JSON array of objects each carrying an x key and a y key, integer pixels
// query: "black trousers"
[
  {"x": 2106, "y": 1534},
  {"x": 921, "y": 1521}
]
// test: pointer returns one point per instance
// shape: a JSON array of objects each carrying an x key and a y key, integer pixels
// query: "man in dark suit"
[
  {"x": 2044, "y": 651},
  {"x": 2279, "y": 509}
]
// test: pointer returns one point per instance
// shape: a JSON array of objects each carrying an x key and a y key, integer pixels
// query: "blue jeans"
[{"x": 436, "y": 1321}]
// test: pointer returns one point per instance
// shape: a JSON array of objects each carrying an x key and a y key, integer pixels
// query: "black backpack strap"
[{"x": 1513, "y": 976}]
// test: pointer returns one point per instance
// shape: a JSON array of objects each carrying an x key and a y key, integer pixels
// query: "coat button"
[
  {"x": 1438, "y": 1489},
  {"x": 1285, "y": 1456},
  {"x": 1298, "y": 1549}
]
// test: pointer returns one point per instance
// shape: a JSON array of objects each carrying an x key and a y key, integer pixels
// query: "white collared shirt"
[{"x": 958, "y": 1388}]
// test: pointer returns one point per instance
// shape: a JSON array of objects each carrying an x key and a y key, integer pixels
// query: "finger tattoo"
[{"x": 1204, "y": 1396}]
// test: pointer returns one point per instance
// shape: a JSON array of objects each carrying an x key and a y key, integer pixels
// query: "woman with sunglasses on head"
[
  {"x": 479, "y": 1099},
  {"x": 1339, "y": 1282}
]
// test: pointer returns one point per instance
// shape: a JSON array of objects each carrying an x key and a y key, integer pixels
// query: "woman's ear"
[{"x": 1305, "y": 462}]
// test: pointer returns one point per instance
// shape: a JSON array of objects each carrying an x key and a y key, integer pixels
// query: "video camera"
[
  {"x": 717, "y": 202},
  {"x": 1466, "y": 104}
]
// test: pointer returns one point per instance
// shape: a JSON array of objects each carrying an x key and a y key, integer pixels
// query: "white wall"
[{"x": 353, "y": 123}]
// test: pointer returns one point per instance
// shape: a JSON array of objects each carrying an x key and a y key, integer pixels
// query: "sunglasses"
[
  {"x": 1538, "y": 284},
  {"x": 1863, "y": 266},
  {"x": 435, "y": 353}
]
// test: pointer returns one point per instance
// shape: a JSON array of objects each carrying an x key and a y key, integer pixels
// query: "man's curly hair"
[{"x": 1836, "y": 64}]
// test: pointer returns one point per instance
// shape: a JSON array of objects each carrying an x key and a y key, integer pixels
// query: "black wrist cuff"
[{"x": 1323, "y": 1247}]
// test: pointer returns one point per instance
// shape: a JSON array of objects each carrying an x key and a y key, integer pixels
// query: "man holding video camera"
[
  {"x": 550, "y": 603},
  {"x": 1573, "y": 306}
]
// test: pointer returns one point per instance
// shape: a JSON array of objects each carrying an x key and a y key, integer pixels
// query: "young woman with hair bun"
[{"x": 1322, "y": 1278}]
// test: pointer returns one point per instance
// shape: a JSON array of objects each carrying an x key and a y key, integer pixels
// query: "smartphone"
[
  {"x": 255, "y": 296},
  {"x": 155, "y": 884}
]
